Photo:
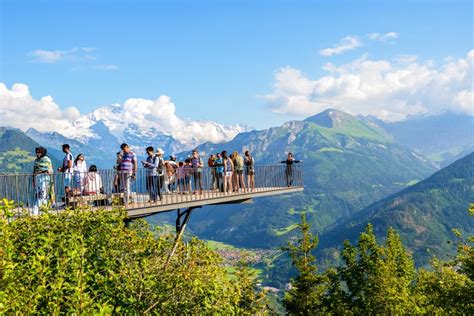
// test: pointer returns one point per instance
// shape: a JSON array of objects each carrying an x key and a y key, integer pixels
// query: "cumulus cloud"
[
  {"x": 55, "y": 56},
  {"x": 347, "y": 43},
  {"x": 19, "y": 109},
  {"x": 388, "y": 89},
  {"x": 382, "y": 37}
]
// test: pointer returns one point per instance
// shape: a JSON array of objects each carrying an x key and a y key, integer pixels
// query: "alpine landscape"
[{"x": 360, "y": 141}]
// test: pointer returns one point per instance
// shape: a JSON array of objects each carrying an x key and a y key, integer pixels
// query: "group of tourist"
[{"x": 226, "y": 174}]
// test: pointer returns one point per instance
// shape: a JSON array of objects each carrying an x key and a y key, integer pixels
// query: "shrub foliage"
[{"x": 85, "y": 262}]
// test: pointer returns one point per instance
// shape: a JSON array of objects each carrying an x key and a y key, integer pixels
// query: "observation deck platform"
[{"x": 108, "y": 190}]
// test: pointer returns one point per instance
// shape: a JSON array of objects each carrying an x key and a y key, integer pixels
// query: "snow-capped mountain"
[
  {"x": 138, "y": 123},
  {"x": 99, "y": 133}
]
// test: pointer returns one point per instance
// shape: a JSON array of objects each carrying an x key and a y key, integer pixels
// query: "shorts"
[
  {"x": 68, "y": 180},
  {"x": 239, "y": 172},
  {"x": 228, "y": 174}
]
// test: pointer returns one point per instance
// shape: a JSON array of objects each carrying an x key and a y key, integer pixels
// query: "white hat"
[{"x": 160, "y": 151}]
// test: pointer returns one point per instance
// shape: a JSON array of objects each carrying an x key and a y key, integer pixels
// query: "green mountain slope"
[
  {"x": 348, "y": 165},
  {"x": 423, "y": 214},
  {"x": 17, "y": 151}
]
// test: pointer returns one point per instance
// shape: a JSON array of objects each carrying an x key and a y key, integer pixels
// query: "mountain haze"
[
  {"x": 422, "y": 214},
  {"x": 443, "y": 138}
]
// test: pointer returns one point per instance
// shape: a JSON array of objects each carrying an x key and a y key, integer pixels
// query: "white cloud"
[
  {"x": 347, "y": 43},
  {"x": 390, "y": 90},
  {"x": 19, "y": 109},
  {"x": 55, "y": 56},
  {"x": 382, "y": 37}
]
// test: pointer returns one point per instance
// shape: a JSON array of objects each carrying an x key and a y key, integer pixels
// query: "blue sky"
[{"x": 218, "y": 60}]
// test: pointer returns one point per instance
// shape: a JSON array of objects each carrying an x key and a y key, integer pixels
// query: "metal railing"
[{"x": 110, "y": 188}]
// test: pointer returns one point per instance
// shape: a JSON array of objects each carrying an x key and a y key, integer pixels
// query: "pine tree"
[
  {"x": 379, "y": 278},
  {"x": 306, "y": 296}
]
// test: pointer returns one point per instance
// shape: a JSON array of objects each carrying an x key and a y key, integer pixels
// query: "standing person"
[
  {"x": 249, "y": 171},
  {"x": 188, "y": 172},
  {"x": 67, "y": 169},
  {"x": 238, "y": 171},
  {"x": 289, "y": 168},
  {"x": 42, "y": 182},
  {"x": 160, "y": 168},
  {"x": 219, "y": 168},
  {"x": 152, "y": 177},
  {"x": 127, "y": 171},
  {"x": 196, "y": 162},
  {"x": 212, "y": 169},
  {"x": 117, "y": 186},
  {"x": 181, "y": 172},
  {"x": 228, "y": 171},
  {"x": 173, "y": 180},
  {"x": 80, "y": 173}
]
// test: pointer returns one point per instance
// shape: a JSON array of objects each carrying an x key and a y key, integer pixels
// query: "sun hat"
[{"x": 160, "y": 151}]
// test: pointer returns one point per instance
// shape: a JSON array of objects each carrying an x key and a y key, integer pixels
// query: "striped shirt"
[{"x": 128, "y": 162}]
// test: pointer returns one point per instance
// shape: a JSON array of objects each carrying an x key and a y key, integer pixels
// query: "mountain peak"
[{"x": 330, "y": 118}]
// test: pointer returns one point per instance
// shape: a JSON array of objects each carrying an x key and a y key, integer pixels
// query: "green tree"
[
  {"x": 306, "y": 295},
  {"x": 82, "y": 262},
  {"x": 448, "y": 288},
  {"x": 378, "y": 278}
]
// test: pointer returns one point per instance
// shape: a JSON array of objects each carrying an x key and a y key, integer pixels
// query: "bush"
[{"x": 86, "y": 262}]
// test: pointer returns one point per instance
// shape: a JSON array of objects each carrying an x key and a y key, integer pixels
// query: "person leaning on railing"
[
  {"x": 289, "y": 168},
  {"x": 42, "y": 181}
]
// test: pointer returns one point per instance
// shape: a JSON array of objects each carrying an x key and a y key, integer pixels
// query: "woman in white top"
[
  {"x": 93, "y": 182},
  {"x": 80, "y": 173}
]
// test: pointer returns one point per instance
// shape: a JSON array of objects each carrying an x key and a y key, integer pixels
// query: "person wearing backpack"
[
  {"x": 152, "y": 177},
  {"x": 219, "y": 169}
]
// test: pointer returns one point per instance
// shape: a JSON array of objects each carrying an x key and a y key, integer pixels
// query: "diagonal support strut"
[{"x": 180, "y": 227}]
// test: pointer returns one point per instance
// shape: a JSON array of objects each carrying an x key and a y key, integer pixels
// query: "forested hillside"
[
  {"x": 347, "y": 165},
  {"x": 17, "y": 151},
  {"x": 424, "y": 214}
]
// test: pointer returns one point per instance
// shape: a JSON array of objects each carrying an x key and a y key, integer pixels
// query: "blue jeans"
[{"x": 153, "y": 187}]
